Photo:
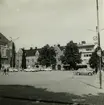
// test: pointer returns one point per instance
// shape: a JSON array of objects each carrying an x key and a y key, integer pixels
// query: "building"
[
  {"x": 59, "y": 52},
  {"x": 19, "y": 58},
  {"x": 32, "y": 57},
  {"x": 4, "y": 50},
  {"x": 86, "y": 50}
]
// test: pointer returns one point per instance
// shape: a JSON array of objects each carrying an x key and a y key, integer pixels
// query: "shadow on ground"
[{"x": 42, "y": 94}]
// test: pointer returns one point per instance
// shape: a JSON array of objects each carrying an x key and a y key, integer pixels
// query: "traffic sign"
[{"x": 95, "y": 38}]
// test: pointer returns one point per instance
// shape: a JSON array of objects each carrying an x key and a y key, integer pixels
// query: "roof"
[
  {"x": 3, "y": 40},
  {"x": 85, "y": 45},
  {"x": 31, "y": 52}
]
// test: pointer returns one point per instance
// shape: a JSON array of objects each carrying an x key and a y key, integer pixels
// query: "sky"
[{"x": 41, "y": 22}]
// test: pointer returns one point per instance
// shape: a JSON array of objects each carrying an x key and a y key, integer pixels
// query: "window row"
[
  {"x": 87, "y": 55},
  {"x": 29, "y": 60}
]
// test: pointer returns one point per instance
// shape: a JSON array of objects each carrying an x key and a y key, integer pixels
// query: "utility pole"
[{"x": 98, "y": 33}]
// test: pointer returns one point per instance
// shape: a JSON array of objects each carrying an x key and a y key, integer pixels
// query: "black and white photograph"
[{"x": 51, "y": 52}]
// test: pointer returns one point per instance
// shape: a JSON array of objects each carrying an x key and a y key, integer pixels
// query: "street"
[
  {"x": 55, "y": 85},
  {"x": 56, "y": 81}
]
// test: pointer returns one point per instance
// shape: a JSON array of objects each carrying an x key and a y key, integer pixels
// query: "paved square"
[{"x": 56, "y": 81}]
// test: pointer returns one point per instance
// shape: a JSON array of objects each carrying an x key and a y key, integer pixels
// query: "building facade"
[
  {"x": 31, "y": 57},
  {"x": 86, "y": 51},
  {"x": 5, "y": 50},
  {"x": 19, "y": 58},
  {"x": 59, "y": 53}
]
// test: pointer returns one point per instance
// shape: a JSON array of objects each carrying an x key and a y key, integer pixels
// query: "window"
[
  {"x": 87, "y": 55},
  {"x": 3, "y": 52},
  {"x": 90, "y": 55},
  {"x": 27, "y": 60},
  {"x": 32, "y": 60},
  {"x": 88, "y": 49}
]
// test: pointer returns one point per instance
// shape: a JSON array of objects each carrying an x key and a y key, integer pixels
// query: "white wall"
[{"x": 31, "y": 60}]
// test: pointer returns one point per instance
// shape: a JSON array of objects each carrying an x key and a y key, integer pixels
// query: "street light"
[
  {"x": 99, "y": 46},
  {"x": 98, "y": 33}
]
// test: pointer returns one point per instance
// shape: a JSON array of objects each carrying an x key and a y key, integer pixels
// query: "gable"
[{"x": 3, "y": 40}]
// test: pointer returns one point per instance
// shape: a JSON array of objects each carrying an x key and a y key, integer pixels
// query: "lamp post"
[
  {"x": 98, "y": 33},
  {"x": 98, "y": 43}
]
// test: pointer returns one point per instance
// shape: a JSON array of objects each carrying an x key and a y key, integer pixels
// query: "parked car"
[
  {"x": 15, "y": 70},
  {"x": 27, "y": 70},
  {"x": 11, "y": 69},
  {"x": 84, "y": 72},
  {"x": 47, "y": 69},
  {"x": 34, "y": 70}
]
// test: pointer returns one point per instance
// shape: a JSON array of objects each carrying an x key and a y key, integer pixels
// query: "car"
[
  {"x": 11, "y": 69},
  {"x": 15, "y": 70},
  {"x": 27, "y": 70},
  {"x": 47, "y": 69},
  {"x": 84, "y": 72},
  {"x": 34, "y": 70}
]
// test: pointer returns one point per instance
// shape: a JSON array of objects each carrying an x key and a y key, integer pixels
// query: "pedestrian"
[
  {"x": 7, "y": 70},
  {"x": 4, "y": 70}
]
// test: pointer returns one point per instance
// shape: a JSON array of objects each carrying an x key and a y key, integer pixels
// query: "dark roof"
[
  {"x": 85, "y": 45},
  {"x": 31, "y": 52},
  {"x": 3, "y": 40}
]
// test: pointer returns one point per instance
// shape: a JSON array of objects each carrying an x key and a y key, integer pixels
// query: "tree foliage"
[
  {"x": 23, "y": 59},
  {"x": 47, "y": 56},
  {"x": 0, "y": 61},
  {"x": 94, "y": 60},
  {"x": 14, "y": 54},
  {"x": 71, "y": 55},
  {"x": 12, "y": 60}
]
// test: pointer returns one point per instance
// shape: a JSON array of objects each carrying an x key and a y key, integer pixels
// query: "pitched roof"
[
  {"x": 3, "y": 40},
  {"x": 31, "y": 52}
]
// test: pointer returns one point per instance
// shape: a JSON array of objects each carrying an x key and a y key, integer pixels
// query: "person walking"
[
  {"x": 7, "y": 70},
  {"x": 4, "y": 70}
]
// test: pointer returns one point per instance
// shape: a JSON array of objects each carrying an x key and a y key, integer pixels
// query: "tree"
[
  {"x": 12, "y": 60},
  {"x": 0, "y": 61},
  {"x": 14, "y": 54},
  {"x": 71, "y": 55},
  {"x": 94, "y": 60},
  {"x": 23, "y": 59},
  {"x": 47, "y": 56}
]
